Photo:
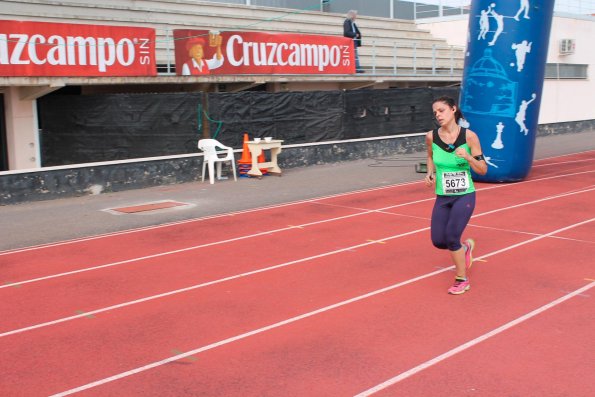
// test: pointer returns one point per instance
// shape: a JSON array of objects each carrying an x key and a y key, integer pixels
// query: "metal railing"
[
  {"x": 378, "y": 57},
  {"x": 440, "y": 8},
  {"x": 444, "y": 8},
  {"x": 394, "y": 58}
]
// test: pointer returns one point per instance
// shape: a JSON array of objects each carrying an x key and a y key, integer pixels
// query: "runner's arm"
[
  {"x": 430, "y": 173},
  {"x": 478, "y": 165}
]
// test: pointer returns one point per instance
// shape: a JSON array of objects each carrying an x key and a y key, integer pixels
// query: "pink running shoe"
[
  {"x": 469, "y": 245},
  {"x": 459, "y": 287}
]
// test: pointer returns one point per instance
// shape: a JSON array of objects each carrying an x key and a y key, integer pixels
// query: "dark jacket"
[{"x": 348, "y": 31}]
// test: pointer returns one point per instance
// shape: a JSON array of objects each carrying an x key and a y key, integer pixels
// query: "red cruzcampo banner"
[
  {"x": 202, "y": 52},
  {"x": 60, "y": 49}
]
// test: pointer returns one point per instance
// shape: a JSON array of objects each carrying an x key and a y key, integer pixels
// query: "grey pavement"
[{"x": 29, "y": 224}]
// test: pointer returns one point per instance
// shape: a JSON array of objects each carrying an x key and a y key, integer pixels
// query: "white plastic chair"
[{"x": 211, "y": 156}]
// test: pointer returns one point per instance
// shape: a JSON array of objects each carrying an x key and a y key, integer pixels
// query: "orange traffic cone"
[
  {"x": 245, "y": 163},
  {"x": 262, "y": 159},
  {"x": 246, "y": 157}
]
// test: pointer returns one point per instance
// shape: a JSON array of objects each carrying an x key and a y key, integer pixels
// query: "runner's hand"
[
  {"x": 460, "y": 152},
  {"x": 429, "y": 179}
]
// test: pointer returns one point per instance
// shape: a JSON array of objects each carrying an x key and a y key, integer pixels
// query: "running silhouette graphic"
[
  {"x": 522, "y": 113},
  {"x": 523, "y": 7}
]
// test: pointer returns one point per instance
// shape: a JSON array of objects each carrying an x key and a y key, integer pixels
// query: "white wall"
[
  {"x": 563, "y": 100},
  {"x": 21, "y": 130},
  {"x": 452, "y": 29}
]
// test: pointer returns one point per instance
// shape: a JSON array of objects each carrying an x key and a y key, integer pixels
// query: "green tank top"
[{"x": 453, "y": 174}]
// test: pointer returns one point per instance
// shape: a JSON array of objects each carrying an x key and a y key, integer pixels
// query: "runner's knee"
[{"x": 439, "y": 244}]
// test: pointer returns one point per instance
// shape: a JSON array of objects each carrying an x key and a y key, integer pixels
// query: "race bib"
[{"x": 455, "y": 182}]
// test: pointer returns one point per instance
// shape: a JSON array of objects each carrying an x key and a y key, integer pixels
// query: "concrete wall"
[{"x": 71, "y": 181}]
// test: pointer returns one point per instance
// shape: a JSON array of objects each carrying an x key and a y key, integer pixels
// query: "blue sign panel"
[{"x": 503, "y": 81}]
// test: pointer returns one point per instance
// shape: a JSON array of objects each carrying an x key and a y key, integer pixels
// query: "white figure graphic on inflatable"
[
  {"x": 487, "y": 159},
  {"x": 500, "y": 24},
  {"x": 523, "y": 7},
  {"x": 497, "y": 144},
  {"x": 522, "y": 113},
  {"x": 521, "y": 50},
  {"x": 484, "y": 24}
]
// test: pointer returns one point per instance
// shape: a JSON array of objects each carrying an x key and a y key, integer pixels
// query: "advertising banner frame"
[
  {"x": 203, "y": 52},
  {"x": 48, "y": 49}
]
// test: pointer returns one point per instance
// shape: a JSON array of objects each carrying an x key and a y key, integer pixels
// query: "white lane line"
[
  {"x": 539, "y": 237},
  {"x": 313, "y": 200},
  {"x": 202, "y": 285},
  {"x": 564, "y": 155},
  {"x": 293, "y": 319},
  {"x": 555, "y": 196},
  {"x": 499, "y": 229},
  {"x": 473, "y": 342},
  {"x": 218, "y": 281},
  {"x": 292, "y": 227},
  {"x": 177, "y": 251},
  {"x": 564, "y": 162},
  {"x": 204, "y": 218},
  {"x": 384, "y": 209}
]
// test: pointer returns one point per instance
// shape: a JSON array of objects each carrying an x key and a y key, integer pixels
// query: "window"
[{"x": 565, "y": 71}]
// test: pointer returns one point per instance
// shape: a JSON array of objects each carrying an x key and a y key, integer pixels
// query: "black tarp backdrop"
[
  {"x": 295, "y": 117},
  {"x": 371, "y": 113},
  {"x": 91, "y": 128}
]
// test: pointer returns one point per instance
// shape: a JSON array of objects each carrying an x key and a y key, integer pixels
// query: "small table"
[{"x": 256, "y": 149}]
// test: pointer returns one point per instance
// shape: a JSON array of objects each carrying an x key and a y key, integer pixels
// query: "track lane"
[
  {"x": 30, "y": 303},
  {"x": 570, "y": 231},
  {"x": 555, "y": 345},
  {"x": 85, "y": 293},
  {"x": 339, "y": 351},
  {"x": 44, "y": 261},
  {"x": 19, "y": 265},
  {"x": 139, "y": 333}
]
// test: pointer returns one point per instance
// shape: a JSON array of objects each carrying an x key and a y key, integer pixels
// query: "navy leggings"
[{"x": 449, "y": 219}]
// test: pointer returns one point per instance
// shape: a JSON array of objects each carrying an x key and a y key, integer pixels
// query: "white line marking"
[
  {"x": 498, "y": 229},
  {"x": 564, "y": 162},
  {"x": 218, "y": 281},
  {"x": 184, "y": 249},
  {"x": 565, "y": 155},
  {"x": 241, "y": 336},
  {"x": 473, "y": 342},
  {"x": 202, "y": 285},
  {"x": 539, "y": 237},
  {"x": 293, "y": 319},
  {"x": 383, "y": 210},
  {"x": 379, "y": 210},
  {"x": 538, "y": 201},
  {"x": 275, "y": 206},
  {"x": 201, "y": 219}
]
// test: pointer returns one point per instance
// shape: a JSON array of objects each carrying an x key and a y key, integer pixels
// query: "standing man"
[{"x": 350, "y": 30}]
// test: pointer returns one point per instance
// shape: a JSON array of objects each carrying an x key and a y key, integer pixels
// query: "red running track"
[{"x": 337, "y": 296}]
